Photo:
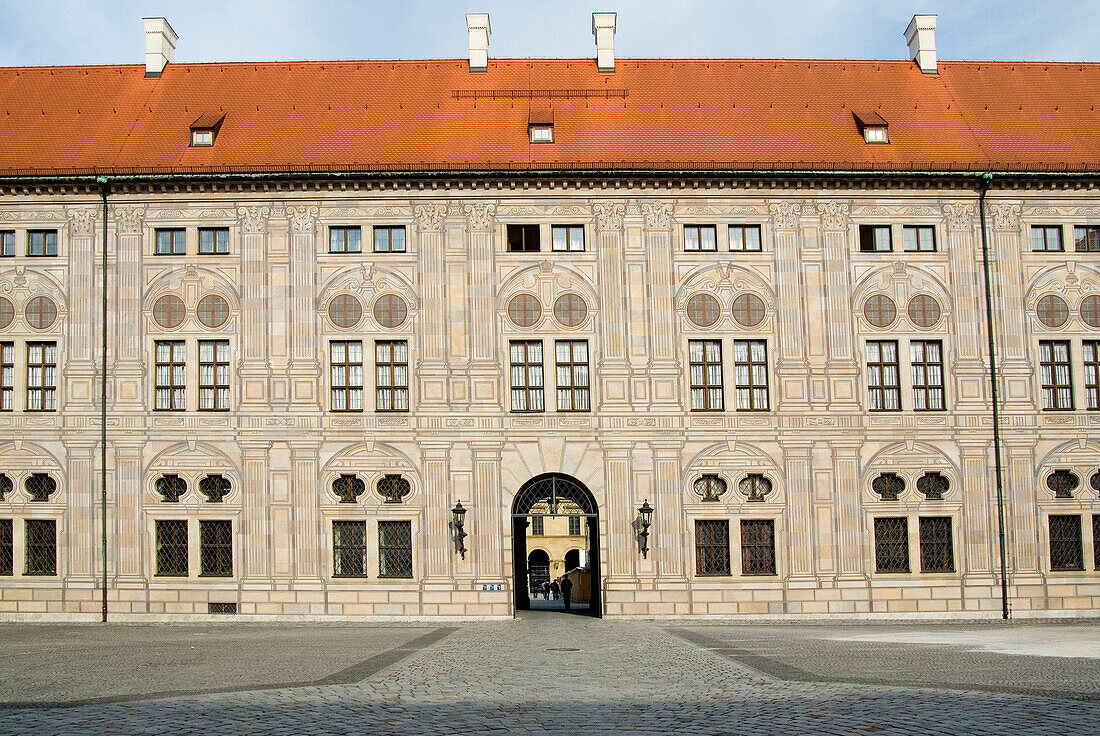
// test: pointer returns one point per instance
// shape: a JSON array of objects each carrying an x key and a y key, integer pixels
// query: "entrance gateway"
[{"x": 548, "y": 492}]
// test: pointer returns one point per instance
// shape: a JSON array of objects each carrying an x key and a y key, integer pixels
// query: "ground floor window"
[
  {"x": 1065, "y": 543},
  {"x": 395, "y": 549},
  {"x": 712, "y": 547},
  {"x": 892, "y": 544},
  {"x": 171, "y": 547},
  {"x": 41, "y": 547},
  {"x": 216, "y": 548},
  {"x": 936, "y": 551},
  {"x": 349, "y": 549},
  {"x": 757, "y": 547},
  {"x": 7, "y": 549}
]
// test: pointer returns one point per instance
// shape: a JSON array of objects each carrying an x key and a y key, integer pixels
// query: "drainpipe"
[
  {"x": 986, "y": 179},
  {"x": 104, "y": 189}
]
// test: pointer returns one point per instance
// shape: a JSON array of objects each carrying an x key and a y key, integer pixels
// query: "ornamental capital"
[
  {"x": 302, "y": 218},
  {"x": 785, "y": 214},
  {"x": 82, "y": 221},
  {"x": 253, "y": 219},
  {"x": 430, "y": 216},
  {"x": 960, "y": 215},
  {"x": 834, "y": 215},
  {"x": 480, "y": 216},
  {"x": 609, "y": 215},
  {"x": 658, "y": 215},
  {"x": 1006, "y": 216},
  {"x": 129, "y": 219}
]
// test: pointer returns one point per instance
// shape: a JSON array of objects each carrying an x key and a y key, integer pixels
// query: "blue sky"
[{"x": 37, "y": 32}]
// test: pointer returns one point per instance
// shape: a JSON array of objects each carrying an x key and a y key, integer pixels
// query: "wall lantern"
[
  {"x": 458, "y": 521},
  {"x": 646, "y": 520}
]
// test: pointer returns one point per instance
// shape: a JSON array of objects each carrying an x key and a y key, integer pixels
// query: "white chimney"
[
  {"x": 603, "y": 28},
  {"x": 160, "y": 45},
  {"x": 921, "y": 37},
  {"x": 478, "y": 26}
]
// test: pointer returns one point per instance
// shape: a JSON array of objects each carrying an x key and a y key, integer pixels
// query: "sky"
[{"x": 59, "y": 32}]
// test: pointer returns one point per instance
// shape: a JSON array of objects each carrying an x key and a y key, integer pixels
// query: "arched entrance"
[
  {"x": 538, "y": 570},
  {"x": 547, "y": 495}
]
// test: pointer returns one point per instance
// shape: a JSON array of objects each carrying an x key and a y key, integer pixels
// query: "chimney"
[
  {"x": 603, "y": 28},
  {"x": 921, "y": 37},
  {"x": 160, "y": 45},
  {"x": 478, "y": 26}
]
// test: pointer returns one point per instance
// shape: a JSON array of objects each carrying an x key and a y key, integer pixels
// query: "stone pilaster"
[
  {"x": 255, "y": 369},
  {"x": 1021, "y": 502},
  {"x": 618, "y": 522},
  {"x": 437, "y": 514},
  {"x": 843, "y": 362},
  {"x": 612, "y": 367},
  {"x": 848, "y": 495},
  {"x": 255, "y": 524},
  {"x": 979, "y": 522},
  {"x": 967, "y": 309},
  {"x": 305, "y": 364},
  {"x": 433, "y": 371},
  {"x": 83, "y": 310},
  {"x": 128, "y": 369},
  {"x": 82, "y": 505},
  {"x": 306, "y": 490},
  {"x": 1010, "y": 316},
  {"x": 485, "y": 375},
  {"x": 800, "y": 539},
  {"x": 666, "y": 378},
  {"x": 668, "y": 538},
  {"x": 791, "y": 366},
  {"x": 128, "y": 535},
  {"x": 487, "y": 529}
]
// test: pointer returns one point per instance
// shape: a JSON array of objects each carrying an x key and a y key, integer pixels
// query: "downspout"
[
  {"x": 104, "y": 189},
  {"x": 986, "y": 178}
]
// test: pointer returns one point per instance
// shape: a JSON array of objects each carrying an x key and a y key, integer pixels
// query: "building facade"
[{"x": 307, "y": 371}]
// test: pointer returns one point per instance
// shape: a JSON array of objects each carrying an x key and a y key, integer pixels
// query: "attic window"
[
  {"x": 205, "y": 129},
  {"x": 872, "y": 126},
  {"x": 540, "y": 126}
]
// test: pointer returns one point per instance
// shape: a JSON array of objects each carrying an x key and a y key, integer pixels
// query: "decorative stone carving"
[
  {"x": 82, "y": 221},
  {"x": 253, "y": 219},
  {"x": 129, "y": 219},
  {"x": 430, "y": 216},
  {"x": 960, "y": 216},
  {"x": 657, "y": 215},
  {"x": 302, "y": 219},
  {"x": 609, "y": 215},
  {"x": 834, "y": 215},
  {"x": 480, "y": 216},
  {"x": 1006, "y": 216},
  {"x": 785, "y": 214}
]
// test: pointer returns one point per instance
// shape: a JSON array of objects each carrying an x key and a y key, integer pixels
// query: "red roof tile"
[{"x": 648, "y": 114}]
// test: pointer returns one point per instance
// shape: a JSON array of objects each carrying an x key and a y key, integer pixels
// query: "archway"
[
  {"x": 538, "y": 570},
  {"x": 551, "y": 493},
  {"x": 572, "y": 559}
]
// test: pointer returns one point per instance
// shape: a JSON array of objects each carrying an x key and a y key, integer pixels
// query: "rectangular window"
[
  {"x": 1091, "y": 350},
  {"x": 527, "y": 381},
  {"x": 171, "y": 372},
  {"x": 745, "y": 237},
  {"x": 7, "y": 243},
  {"x": 171, "y": 242},
  {"x": 349, "y": 549},
  {"x": 345, "y": 240},
  {"x": 395, "y": 549},
  {"x": 389, "y": 238},
  {"x": 171, "y": 540},
  {"x": 919, "y": 238},
  {"x": 1046, "y": 238},
  {"x": 875, "y": 239},
  {"x": 1055, "y": 374},
  {"x": 391, "y": 369},
  {"x": 750, "y": 371},
  {"x": 213, "y": 240},
  {"x": 7, "y": 376},
  {"x": 7, "y": 547},
  {"x": 41, "y": 547},
  {"x": 575, "y": 526},
  {"x": 757, "y": 547},
  {"x": 927, "y": 366},
  {"x": 712, "y": 547},
  {"x": 700, "y": 237},
  {"x": 567, "y": 237},
  {"x": 705, "y": 364},
  {"x": 523, "y": 238},
  {"x": 573, "y": 392},
  {"x": 936, "y": 549},
  {"x": 538, "y": 526},
  {"x": 347, "y": 375},
  {"x": 883, "y": 375},
  {"x": 1095, "y": 541},
  {"x": 892, "y": 545},
  {"x": 42, "y": 243},
  {"x": 41, "y": 376},
  {"x": 1086, "y": 238},
  {"x": 216, "y": 548},
  {"x": 1065, "y": 543},
  {"x": 214, "y": 375}
]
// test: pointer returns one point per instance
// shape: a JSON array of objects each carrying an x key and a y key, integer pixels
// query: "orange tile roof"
[{"x": 666, "y": 114}]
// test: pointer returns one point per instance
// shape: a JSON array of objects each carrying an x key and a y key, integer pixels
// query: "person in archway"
[
  {"x": 566, "y": 591},
  {"x": 554, "y": 589}
]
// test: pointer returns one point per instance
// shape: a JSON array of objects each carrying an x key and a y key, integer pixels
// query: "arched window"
[
  {"x": 171, "y": 488},
  {"x": 888, "y": 486},
  {"x": 933, "y": 485},
  {"x": 39, "y": 487},
  {"x": 710, "y": 487},
  {"x": 1063, "y": 483},
  {"x": 755, "y": 487},
  {"x": 393, "y": 488},
  {"x": 348, "y": 488},
  {"x": 215, "y": 488}
]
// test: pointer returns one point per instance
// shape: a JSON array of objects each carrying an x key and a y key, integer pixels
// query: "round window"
[
  {"x": 748, "y": 310},
  {"x": 213, "y": 310},
  {"x": 41, "y": 312},
  {"x": 7, "y": 313},
  {"x": 1090, "y": 311},
  {"x": 345, "y": 310},
  {"x": 169, "y": 311},
  {"x": 1052, "y": 310},
  {"x": 703, "y": 310},
  {"x": 880, "y": 310},
  {"x": 924, "y": 311},
  {"x": 390, "y": 310},
  {"x": 570, "y": 310},
  {"x": 524, "y": 310}
]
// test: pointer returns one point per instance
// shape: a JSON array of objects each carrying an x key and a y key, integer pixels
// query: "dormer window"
[
  {"x": 205, "y": 129},
  {"x": 540, "y": 126},
  {"x": 872, "y": 126}
]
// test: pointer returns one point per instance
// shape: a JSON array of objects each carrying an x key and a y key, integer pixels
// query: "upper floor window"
[
  {"x": 1046, "y": 238},
  {"x": 883, "y": 379},
  {"x": 171, "y": 375},
  {"x": 389, "y": 238},
  {"x": 1055, "y": 375},
  {"x": 526, "y": 372},
  {"x": 541, "y": 133},
  {"x": 44, "y": 243},
  {"x": 875, "y": 239},
  {"x": 205, "y": 129},
  {"x": 745, "y": 237},
  {"x": 7, "y": 243},
  {"x": 927, "y": 364},
  {"x": 41, "y": 376},
  {"x": 345, "y": 239},
  {"x": 572, "y": 365},
  {"x": 171, "y": 242},
  {"x": 347, "y": 375},
  {"x": 523, "y": 238},
  {"x": 567, "y": 237},
  {"x": 213, "y": 240},
  {"x": 538, "y": 527},
  {"x": 214, "y": 375},
  {"x": 1091, "y": 350},
  {"x": 1086, "y": 238},
  {"x": 392, "y": 375},
  {"x": 919, "y": 238},
  {"x": 750, "y": 367},
  {"x": 7, "y": 375},
  {"x": 700, "y": 238},
  {"x": 705, "y": 360}
]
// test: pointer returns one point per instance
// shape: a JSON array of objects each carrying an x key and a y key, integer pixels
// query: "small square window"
[
  {"x": 213, "y": 240},
  {"x": 700, "y": 237},
  {"x": 872, "y": 126},
  {"x": 874, "y": 239},
  {"x": 41, "y": 242},
  {"x": 875, "y": 134},
  {"x": 567, "y": 237},
  {"x": 1046, "y": 238},
  {"x": 205, "y": 129},
  {"x": 389, "y": 238},
  {"x": 745, "y": 237},
  {"x": 1086, "y": 238},
  {"x": 202, "y": 137},
  {"x": 541, "y": 133},
  {"x": 7, "y": 243},
  {"x": 171, "y": 242},
  {"x": 345, "y": 240},
  {"x": 523, "y": 238},
  {"x": 919, "y": 238}
]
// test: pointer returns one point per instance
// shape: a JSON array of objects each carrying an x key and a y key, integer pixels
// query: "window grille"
[
  {"x": 750, "y": 371},
  {"x": 705, "y": 358},
  {"x": 1096, "y": 541},
  {"x": 348, "y": 488},
  {"x": 7, "y": 243},
  {"x": 6, "y": 487},
  {"x": 393, "y": 488},
  {"x": 216, "y": 548},
  {"x": 919, "y": 238},
  {"x": 390, "y": 311},
  {"x": 1090, "y": 311},
  {"x": 524, "y": 310},
  {"x": 523, "y": 238},
  {"x": 347, "y": 375},
  {"x": 757, "y": 547},
  {"x": 703, "y": 310},
  {"x": 345, "y": 240},
  {"x": 39, "y": 487},
  {"x": 171, "y": 375},
  {"x": 7, "y": 376},
  {"x": 936, "y": 550},
  {"x": 395, "y": 549},
  {"x": 389, "y": 238},
  {"x": 755, "y": 487},
  {"x": 221, "y": 608},
  {"x": 41, "y": 242},
  {"x": 880, "y": 310},
  {"x": 710, "y": 487},
  {"x": 1046, "y": 238},
  {"x": 712, "y": 547},
  {"x": 213, "y": 240},
  {"x": 7, "y": 548},
  {"x": 171, "y": 488},
  {"x": 570, "y": 310},
  {"x": 41, "y": 312},
  {"x": 927, "y": 368},
  {"x": 1065, "y": 543},
  {"x": 215, "y": 488},
  {"x": 924, "y": 311},
  {"x": 874, "y": 239},
  {"x": 748, "y": 310},
  {"x": 538, "y": 527},
  {"x": 527, "y": 379},
  {"x": 391, "y": 370},
  {"x": 888, "y": 486},
  {"x": 575, "y": 526},
  {"x": 7, "y": 313},
  {"x": 213, "y": 375},
  {"x": 1091, "y": 351},
  {"x": 1056, "y": 375},
  {"x": 41, "y": 547},
  {"x": 1086, "y": 238},
  {"x": 171, "y": 552},
  {"x": 1094, "y": 481},
  {"x": 1063, "y": 483},
  {"x": 572, "y": 365},
  {"x": 745, "y": 237},
  {"x": 883, "y": 375},
  {"x": 171, "y": 242},
  {"x": 892, "y": 545},
  {"x": 567, "y": 237},
  {"x": 349, "y": 549},
  {"x": 212, "y": 311},
  {"x": 169, "y": 311},
  {"x": 41, "y": 376},
  {"x": 700, "y": 238},
  {"x": 1052, "y": 310},
  {"x": 933, "y": 486}
]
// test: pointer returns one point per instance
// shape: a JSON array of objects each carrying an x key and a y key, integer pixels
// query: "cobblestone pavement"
[{"x": 551, "y": 673}]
